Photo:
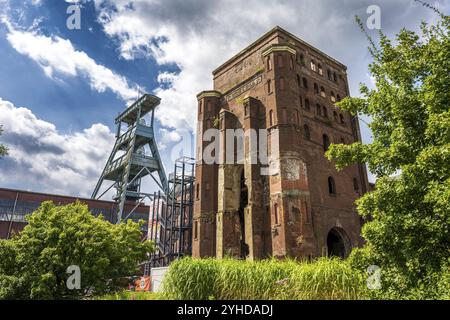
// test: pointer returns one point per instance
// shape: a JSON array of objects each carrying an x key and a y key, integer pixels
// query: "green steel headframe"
[{"x": 128, "y": 162}]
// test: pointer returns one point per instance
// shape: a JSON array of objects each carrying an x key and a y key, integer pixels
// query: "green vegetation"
[
  {"x": 408, "y": 228},
  {"x": 33, "y": 265},
  {"x": 216, "y": 122},
  {"x": 268, "y": 279},
  {"x": 408, "y": 233},
  {"x": 3, "y": 149},
  {"x": 130, "y": 295}
]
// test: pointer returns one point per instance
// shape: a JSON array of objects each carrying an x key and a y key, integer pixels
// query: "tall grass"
[
  {"x": 326, "y": 279},
  {"x": 129, "y": 295},
  {"x": 202, "y": 279}
]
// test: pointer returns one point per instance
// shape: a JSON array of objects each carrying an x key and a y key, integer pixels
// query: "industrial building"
[
  {"x": 16, "y": 204},
  {"x": 279, "y": 84},
  {"x": 305, "y": 209}
]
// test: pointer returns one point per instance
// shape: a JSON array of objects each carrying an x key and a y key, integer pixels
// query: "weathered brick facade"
[{"x": 306, "y": 208}]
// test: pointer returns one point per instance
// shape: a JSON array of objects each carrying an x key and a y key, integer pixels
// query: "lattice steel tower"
[{"x": 128, "y": 162}]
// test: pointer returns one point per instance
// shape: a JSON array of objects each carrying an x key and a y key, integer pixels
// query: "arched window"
[
  {"x": 338, "y": 98},
  {"x": 313, "y": 65},
  {"x": 316, "y": 88},
  {"x": 307, "y": 106},
  {"x": 322, "y": 91},
  {"x": 319, "y": 66},
  {"x": 299, "y": 83},
  {"x": 276, "y": 213},
  {"x": 342, "y": 140},
  {"x": 305, "y": 83},
  {"x": 326, "y": 142},
  {"x": 268, "y": 63},
  {"x": 355, "y": 184},
  {"x": 334, "y": 77},
  {"x": 302, "y": 59},
  {"x": 331, "y": 186},
  {"x": 318, "y": 109},
  {"x": 280, "y": 61},
  {"x": 271, "y": 120},
  {"x": 341, "y": 117},
  {"x": 335, "y": 116},
  {"x": 329, "y": 74},
  {"x": 325, "y": 112},
  {"x": 269, "y": 86},
  {"x": 282, "y": 83},
  {"x": 332, "y": 97},
  {"x": 306, "y": 132}
]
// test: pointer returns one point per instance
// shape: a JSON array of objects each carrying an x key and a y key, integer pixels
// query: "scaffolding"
[
  {"x": 170, "y": 223},
  {"x": 171, "y": 207}
]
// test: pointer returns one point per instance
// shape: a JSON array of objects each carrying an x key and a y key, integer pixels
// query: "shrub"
[{"x": 33, "y": 264}]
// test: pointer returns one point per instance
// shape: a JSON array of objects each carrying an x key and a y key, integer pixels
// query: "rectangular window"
[
  {"x": 269, "y": 64},
  {"x": 196, "y": 230},
  {"x": 296, "y": 117},
  {"x": 284, "y": 115},
  {"x": 280, "y": 61},
  {"x": 269, "y": 86},
  {"x": 306, "y": 213},
  {"x": 276, "y": 213}
]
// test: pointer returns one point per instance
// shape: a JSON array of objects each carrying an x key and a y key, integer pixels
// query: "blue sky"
[{"x": 61, "y": 89}]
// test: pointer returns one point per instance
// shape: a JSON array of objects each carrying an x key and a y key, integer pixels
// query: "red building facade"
[{"x": 306, "y": 208}]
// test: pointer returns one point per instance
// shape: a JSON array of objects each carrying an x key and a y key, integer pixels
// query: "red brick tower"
[{"x": 304, "y": 208}]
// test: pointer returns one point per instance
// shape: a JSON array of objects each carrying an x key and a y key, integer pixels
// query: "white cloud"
[
  {"x": 150, "y": 30},
  {"x": 43, "y": 159},
  {"x": 56, "y": 55},
  {"x": 198, "y": 36},
  {"x": 167, "y": 137}
]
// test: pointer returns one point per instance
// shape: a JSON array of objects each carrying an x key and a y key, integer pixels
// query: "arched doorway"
[{"x": 338, "y": 243}]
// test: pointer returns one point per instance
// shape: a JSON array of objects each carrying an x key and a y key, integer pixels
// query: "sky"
[{"x": 61, "y": 88}]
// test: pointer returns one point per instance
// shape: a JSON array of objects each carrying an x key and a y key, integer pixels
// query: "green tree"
[
  {"x": 3, "y": 149},
  {"x": 33, "y": 265},
  {"x": 408, "y": 233}
]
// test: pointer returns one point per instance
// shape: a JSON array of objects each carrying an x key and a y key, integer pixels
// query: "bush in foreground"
[
  {"x": 33, "y": 264},
  {"x": 202, "y": 279}
]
